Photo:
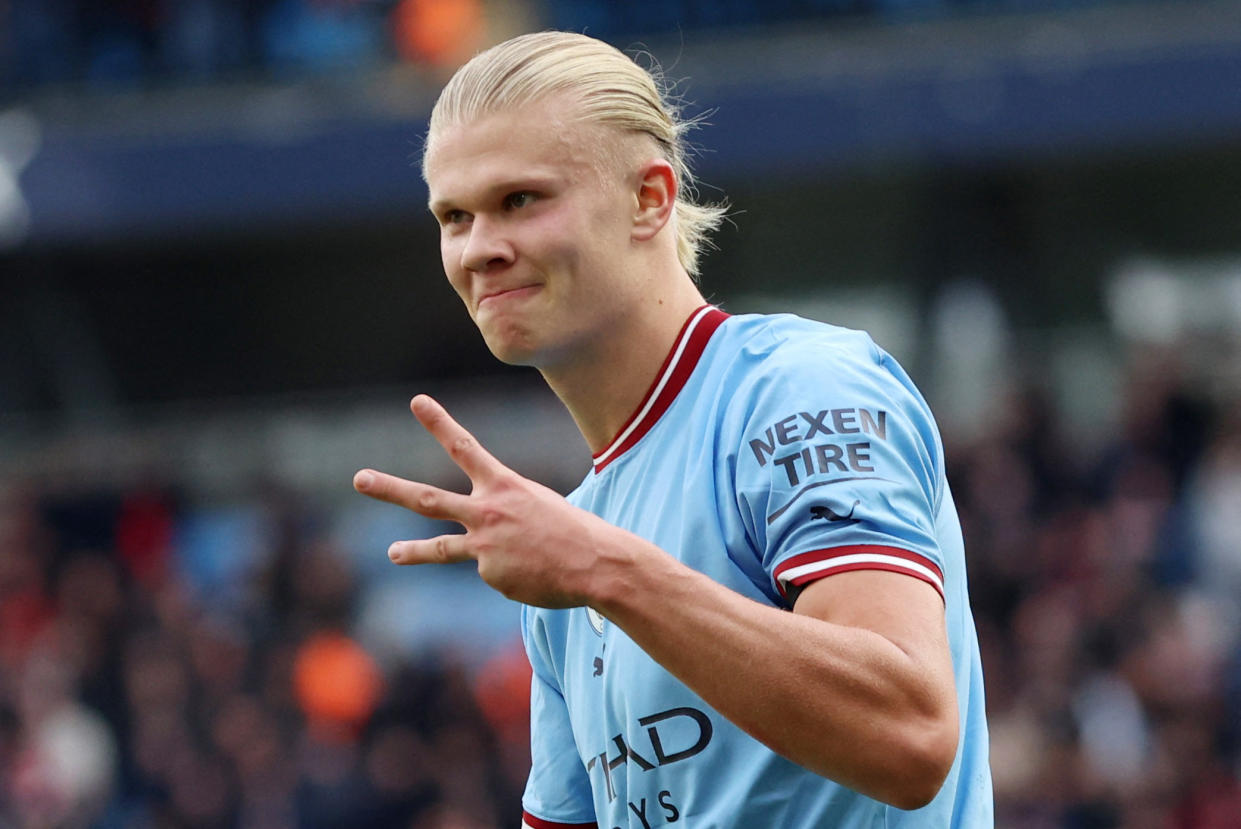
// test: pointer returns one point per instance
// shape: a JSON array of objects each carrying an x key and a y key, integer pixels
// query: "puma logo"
[{"x": 828, "y": 514}]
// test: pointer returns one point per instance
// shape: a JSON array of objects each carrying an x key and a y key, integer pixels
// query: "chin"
[{"x": 513, "y": 351}]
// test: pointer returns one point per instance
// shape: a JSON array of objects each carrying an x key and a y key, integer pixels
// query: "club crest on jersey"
[{"x": 596, "y": 620}]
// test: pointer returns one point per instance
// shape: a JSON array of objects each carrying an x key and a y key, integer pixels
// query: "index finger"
[
  {"x": 430, "y": 501},
  {"x": 465, "y": 451}
]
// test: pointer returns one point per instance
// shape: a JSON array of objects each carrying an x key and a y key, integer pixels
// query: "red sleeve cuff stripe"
[
  {"x": 538, "y": 823},
  {"x": 807, "y": 567}
]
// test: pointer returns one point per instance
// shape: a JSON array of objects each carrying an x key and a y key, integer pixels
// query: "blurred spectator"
[
  {"x": 1215, "y": 499},
  {"x": 336, "y": 682},
  {"x": 321, "y": 35},
  {"x": 64, "y": 768},
  {"x": 437, "y": 32}
]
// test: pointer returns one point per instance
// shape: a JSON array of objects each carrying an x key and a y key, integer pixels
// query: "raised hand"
[{"x": 531, "y": 544}]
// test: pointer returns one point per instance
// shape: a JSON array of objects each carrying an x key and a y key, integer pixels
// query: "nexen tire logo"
[{"x": 660, "y": 753}]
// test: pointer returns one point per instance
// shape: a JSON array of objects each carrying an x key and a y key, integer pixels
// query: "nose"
[{"x": 486, "y": 247}]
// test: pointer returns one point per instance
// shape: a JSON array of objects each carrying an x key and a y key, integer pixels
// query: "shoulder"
[
  {"x": 780, "y": 358},
  {"x": 819, "y": 388},
  {"x": 776, "y": 337}
]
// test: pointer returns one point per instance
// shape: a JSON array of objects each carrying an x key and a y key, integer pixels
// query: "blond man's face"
[{"x": 535, "y": 228}]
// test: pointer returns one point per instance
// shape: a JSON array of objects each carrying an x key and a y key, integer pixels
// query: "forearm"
[{"x": 842, "y": 701}]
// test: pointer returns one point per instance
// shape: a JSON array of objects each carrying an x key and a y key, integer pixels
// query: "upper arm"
[
  {"x": 909, "y": 647},
  {"x": 840, "y": 473},
  {"x": 906, "y": 611}
]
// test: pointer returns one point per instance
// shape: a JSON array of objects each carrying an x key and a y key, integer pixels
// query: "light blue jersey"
[{"x": 771, "y": 451}]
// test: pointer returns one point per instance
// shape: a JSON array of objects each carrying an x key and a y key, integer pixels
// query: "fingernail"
[
  {"x": 394, "y": 552},
  {"x": 363, "y": 479}
]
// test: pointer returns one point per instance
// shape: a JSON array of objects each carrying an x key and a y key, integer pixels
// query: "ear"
[{"x": 656, "y": 198}]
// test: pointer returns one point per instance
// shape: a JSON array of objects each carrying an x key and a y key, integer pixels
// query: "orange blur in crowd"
[{"x": 439, "y": 32}]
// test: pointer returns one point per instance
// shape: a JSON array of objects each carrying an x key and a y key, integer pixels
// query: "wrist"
[{"x": 628, "y": 570}]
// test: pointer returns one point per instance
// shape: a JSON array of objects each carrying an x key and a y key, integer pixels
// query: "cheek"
[{"x": 570, "y": 237}]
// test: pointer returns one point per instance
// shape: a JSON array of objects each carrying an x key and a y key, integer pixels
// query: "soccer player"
[{"x": 753, "y": 611}]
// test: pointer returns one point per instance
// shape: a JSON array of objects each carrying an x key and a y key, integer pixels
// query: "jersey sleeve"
[
  {"x": 557, "y": 794},
  {"x": 839, "y": 467}
]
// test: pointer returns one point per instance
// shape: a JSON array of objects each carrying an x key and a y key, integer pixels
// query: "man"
[{"x": 744, "y": 467}]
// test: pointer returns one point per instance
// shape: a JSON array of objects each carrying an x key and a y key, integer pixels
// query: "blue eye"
[{"x": 522, "y": 198}]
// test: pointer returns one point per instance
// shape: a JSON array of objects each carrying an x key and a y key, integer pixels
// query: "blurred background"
[{"x": 219, "y": 287}]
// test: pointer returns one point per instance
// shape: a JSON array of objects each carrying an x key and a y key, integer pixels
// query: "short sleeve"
[
  {"x": 839, "y": 466},
  {"x": 557, "y": 791}
]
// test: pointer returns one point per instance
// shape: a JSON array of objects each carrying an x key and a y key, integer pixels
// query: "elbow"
[
  {"x": 905, "y": 768},
  {"x": 924, "y": 765}
]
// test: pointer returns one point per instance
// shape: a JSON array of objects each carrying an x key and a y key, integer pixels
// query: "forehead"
[
  {"x": 542, "y": 139},
  {"x": 527, "y": 134}
]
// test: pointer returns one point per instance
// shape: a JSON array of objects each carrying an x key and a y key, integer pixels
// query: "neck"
[{"x": 603, "y": 386}]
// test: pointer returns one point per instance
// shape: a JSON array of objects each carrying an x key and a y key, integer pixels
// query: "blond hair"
[{"x": 609, "y": 89}]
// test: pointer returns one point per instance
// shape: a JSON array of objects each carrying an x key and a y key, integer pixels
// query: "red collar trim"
[{"x": 673, "y": 374}]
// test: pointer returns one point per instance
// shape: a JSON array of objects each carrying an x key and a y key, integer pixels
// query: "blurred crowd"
[
  {"x": 1105, "y": 580},
  {"x": 138, "y": 43},
  {"x": 141, "y": 43},
  {"x": 171, "y": 662}
]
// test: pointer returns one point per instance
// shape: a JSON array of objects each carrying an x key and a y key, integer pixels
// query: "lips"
[{"x": 508, "y": 294}]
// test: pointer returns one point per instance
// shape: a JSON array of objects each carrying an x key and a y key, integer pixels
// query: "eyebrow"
[
  {"x": 533, "y": 181},
  {"x": 436, "y": 205}
]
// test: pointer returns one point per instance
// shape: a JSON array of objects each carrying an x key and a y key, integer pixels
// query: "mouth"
[{"x": 508, "y": 295}]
